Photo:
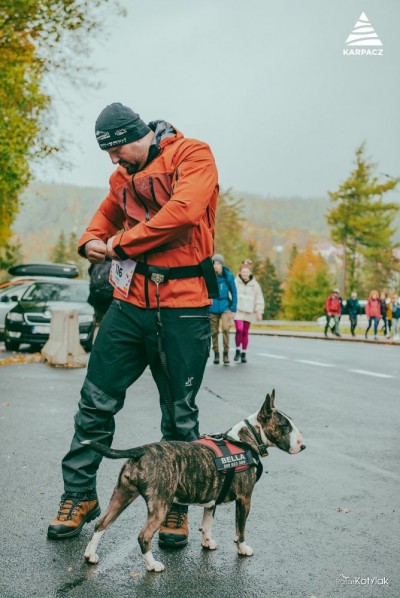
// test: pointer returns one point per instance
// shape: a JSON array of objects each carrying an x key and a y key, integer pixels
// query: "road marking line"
[
  {"x": 272, "y": 355},
  {"x": 320, "y": 363},
  {"x": 376, "y": 374}
]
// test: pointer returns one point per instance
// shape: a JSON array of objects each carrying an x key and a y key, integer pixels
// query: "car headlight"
[
  {"x": 15, "y": 317},
  {"x": 85, "y": 319}
]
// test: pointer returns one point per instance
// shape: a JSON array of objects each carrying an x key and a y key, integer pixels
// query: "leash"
[{"x": 158, "y": 278}]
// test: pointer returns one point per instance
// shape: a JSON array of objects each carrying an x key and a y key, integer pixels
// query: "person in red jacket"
[
  {"x": 373, "y": 312},
  {"x": 333, "y": 309},
  {"x": 157, "y": 225}
]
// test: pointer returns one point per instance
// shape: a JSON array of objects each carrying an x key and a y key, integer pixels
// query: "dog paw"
[
  {"x": 209, "y": 544},
  {"x": 155, "y": 566},
  {"x": 244, "y": 550},
  {"x": 93, "y": 559}
]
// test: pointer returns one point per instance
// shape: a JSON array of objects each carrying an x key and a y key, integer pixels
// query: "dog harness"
[{"x": 231, "y": 457}]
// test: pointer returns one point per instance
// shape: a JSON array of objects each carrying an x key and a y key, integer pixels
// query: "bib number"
[{"x": 121, "y": 275}]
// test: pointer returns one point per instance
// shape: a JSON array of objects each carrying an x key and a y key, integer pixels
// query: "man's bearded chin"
[{"x": 130, "y": 168}]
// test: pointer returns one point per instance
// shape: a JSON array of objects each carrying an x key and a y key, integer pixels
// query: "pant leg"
[
  {"x": 239, "y": 332},
  {"x": 214, "y": 320},
  {"x": 328, "y": 319},
  {"x": 246, "y": 328},
  {"x": 376, "y": 322},
  {"x": 118, "y": 358},
  {"x": 186, "y": 340},
  {"x": 336, "y": 325},
  {"x": 226, "y": 322}
]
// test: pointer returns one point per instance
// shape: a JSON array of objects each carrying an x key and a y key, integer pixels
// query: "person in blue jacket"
[{"x": 223, "y": 308}]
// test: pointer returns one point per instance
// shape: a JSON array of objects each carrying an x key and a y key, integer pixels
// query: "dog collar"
[{"x": 262, "y": 448}]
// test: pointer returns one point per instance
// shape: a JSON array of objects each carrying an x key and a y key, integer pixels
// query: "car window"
[
  {"x": 13, "y": 291},
  {"x": 48, "y": 291}
]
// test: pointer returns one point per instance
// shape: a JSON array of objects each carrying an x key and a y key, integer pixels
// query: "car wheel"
[{"x": 11, "y": 345}]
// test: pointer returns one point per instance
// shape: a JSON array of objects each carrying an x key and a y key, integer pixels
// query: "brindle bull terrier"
[{"x": 186, "y": 473}]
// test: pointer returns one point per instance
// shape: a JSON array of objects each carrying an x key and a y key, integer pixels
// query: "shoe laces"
[
  {"x": 175, "y": 516},
  {"x": 68, "y": 508}
]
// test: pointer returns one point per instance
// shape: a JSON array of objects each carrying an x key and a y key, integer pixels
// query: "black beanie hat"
[{"x": 118, "y": 125}]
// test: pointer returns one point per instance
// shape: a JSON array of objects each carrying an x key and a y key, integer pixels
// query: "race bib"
[{"x": 121, "y": 275}]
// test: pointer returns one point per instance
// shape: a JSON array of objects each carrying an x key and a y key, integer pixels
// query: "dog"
[{"x": 187, "y": 473}]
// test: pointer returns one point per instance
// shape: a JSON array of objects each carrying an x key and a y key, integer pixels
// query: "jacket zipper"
[
  {"x": 151, "y": 185},
  {"x": 147, "y": 216}
]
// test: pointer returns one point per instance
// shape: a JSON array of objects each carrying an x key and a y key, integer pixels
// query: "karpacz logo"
[
  {"x": 120, "y": 132},
  {"x": 365, "y": 38}
]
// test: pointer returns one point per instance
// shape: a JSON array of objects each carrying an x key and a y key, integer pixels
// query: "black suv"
[{"x": 29, "y": 321}]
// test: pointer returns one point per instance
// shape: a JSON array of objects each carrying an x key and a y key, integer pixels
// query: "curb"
[{"x": 322, "y": 337}]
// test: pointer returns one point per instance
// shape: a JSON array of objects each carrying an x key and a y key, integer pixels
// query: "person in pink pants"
[{"x": 250, "y": 308}]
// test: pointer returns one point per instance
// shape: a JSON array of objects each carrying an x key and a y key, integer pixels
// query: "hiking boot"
[
  {"x": 216, "y": 358},
  {"x": 243, "y": 357},
  {"x": 237, "y": 355},
  {"x": 174, "y": 532},
  {"x": 226, "y": 358},
  {"x": 71, "y": 517}
]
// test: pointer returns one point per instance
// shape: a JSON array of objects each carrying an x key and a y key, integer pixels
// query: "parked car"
[
  {"x": 10, "y": 294},
  {"x": 30, "y": 320}
]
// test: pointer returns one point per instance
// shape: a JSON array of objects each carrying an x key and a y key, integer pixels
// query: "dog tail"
[{"x": 134, "y": 453}]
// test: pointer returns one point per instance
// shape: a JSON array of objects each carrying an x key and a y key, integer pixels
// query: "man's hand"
[
  {"x": 95, "y": 251},
  {"x": 259, "y": 317}
]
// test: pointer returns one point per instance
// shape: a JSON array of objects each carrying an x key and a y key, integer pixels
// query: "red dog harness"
[
  {"x": 227, "y": 454},
  {"x": 230, "y": 458}
]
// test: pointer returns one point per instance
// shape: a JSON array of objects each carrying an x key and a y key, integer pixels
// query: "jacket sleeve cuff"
[{"x": 118, "y": 249}]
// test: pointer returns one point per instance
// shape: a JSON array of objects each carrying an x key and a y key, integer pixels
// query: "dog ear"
[
  {"x": 273, "y": 398},
  {"x": 267, "y": 406}
]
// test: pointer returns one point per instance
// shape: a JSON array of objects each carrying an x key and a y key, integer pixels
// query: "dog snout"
[{"x": 303, "y": 446}]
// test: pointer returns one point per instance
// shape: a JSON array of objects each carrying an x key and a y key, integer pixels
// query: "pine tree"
[
  {"x": 59, "y": 253},
  {"x": 271, "y": 288},
  {"x": 361, "y": 221},
  {"x": 307, "y": 286},
  {"x": 294, "y": 252}
]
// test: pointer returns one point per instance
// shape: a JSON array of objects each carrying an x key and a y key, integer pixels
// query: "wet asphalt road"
[{"x": 322, "y": 522}]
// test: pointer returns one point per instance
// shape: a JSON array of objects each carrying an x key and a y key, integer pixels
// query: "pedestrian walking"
[
  {"x": 353, "y": 309},
  {"x": 382, "y": 300},
  {"x": 373, "y": 312},
  {"x": 250, "y": 308},
  {"x": 222, "y": 308},
  {"x": 333, "y": 309},
  {"x": 157, "y": 224},
  {"x": 389, "y": 315},
  {"x": 396, "y": 317}
]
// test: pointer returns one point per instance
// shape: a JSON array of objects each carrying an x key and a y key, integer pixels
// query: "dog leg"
[
  {"x": 119, "y": 501},
  {"x": 153, "y": 523},
  {"x": 242, "y": 511},
  {"x": 206, "y": 527}
]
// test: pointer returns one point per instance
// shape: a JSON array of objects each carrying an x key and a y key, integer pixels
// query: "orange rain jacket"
[{"x": 167, "y": 213}]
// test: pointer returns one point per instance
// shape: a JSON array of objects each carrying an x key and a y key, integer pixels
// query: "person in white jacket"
[{"x": 250, "y": 308}]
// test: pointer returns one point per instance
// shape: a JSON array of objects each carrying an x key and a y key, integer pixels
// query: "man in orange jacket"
[{"x": 157, "y": 224}]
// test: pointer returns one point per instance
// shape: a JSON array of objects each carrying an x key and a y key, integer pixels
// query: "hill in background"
[{"x": 274, "y": 223}]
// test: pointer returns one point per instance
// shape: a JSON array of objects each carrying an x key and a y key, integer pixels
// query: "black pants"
[
  {"x": 125, "y": 345},
  {"x": 353, "y": 323}
]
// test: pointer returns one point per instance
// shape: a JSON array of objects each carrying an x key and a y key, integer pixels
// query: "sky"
[{"x": 263, "y": 82}]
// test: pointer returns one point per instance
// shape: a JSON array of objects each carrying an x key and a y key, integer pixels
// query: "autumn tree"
[
  {"x": 271, "y": 288},
  {"x": 229, "y": 240},
  {"x": 362, "y": 222},
  {"x": 31, "y": 32},
  {"x": 308, "y": 284}
]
